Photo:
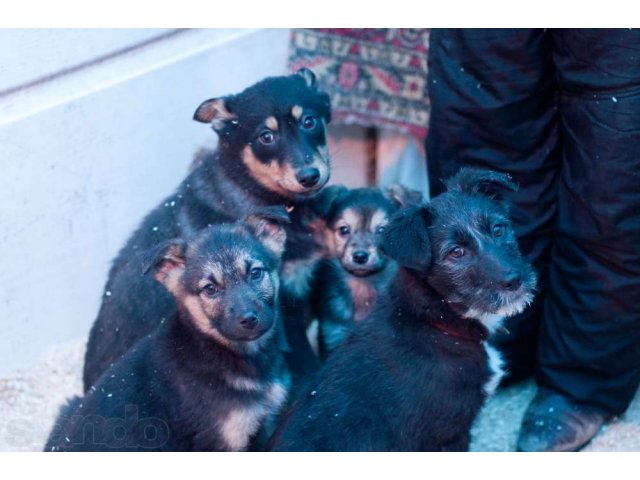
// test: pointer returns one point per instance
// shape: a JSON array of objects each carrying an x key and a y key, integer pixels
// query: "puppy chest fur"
[
  {"x": 242, "y": 423},
  {"x": 363, "y": 294},
  {"x": 495, "y": 364}
]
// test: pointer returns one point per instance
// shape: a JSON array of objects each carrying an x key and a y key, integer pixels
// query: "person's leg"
[
  {"x": 589, "y": 348},
  {"x": 493, "y": 105}
]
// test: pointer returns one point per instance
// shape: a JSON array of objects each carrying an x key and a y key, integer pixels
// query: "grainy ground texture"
[{"x": 30, "y": 399}]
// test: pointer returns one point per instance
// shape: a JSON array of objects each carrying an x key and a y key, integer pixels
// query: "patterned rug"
[{"x": 375, "y": 77}]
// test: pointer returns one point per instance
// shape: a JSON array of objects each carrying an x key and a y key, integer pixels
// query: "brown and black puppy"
[
  {"x": 414, "y": 375},
  {"x": 213, "y": 376},
  {"x": 347, "y": 283},
  {"x": 271, "y": 152}
]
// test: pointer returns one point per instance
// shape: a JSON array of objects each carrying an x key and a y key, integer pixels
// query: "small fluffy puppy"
[
  {"x": 347, "y": 284},
  {"x": 213, "y": 376},
  {"x": 413, "y": 376}
]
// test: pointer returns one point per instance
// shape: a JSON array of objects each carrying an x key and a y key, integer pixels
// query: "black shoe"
[{"x": 553, "y": 423}]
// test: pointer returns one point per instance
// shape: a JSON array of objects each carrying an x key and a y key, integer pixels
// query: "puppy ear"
[
  {"x": 324, "y": 101},
  {"x": 406, "y": 238},
  {"x": 214, "y": 111},
  {"x": 167, "y": 261},
  {"x": 268, "y": 225},
  {"x": 324, "y": 201},
  {"x": 487, "y": 183},
  {"x": 308, "y": 76},
  {"x": 402, "y": 196}
]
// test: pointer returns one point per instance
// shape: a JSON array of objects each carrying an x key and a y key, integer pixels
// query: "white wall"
[
  {"x": 29, "y": 55},
  {"x": 85, "y": 155}
]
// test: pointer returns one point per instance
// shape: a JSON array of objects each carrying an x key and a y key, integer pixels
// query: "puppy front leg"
[
  {"x": 332, "y": 334},
  {"x": 333, "y": 307}
]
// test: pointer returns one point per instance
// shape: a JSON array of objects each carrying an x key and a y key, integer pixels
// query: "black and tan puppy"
[
  {"x": 212, "y": 375},
  {"x": 271, "y": 151},
  {"x": 347, "y": 284},
  {"x": 415, "y": 374}
]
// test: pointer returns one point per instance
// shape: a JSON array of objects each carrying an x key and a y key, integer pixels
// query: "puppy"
[
  {"x": 271, "y": 151},
  {"x": 415, "y": 374},
  {"x": 349, "y": 281},
  {"x": 210, "y": 376}
]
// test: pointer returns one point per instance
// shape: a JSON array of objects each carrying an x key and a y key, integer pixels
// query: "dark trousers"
[{"x": 560, "y": 111}]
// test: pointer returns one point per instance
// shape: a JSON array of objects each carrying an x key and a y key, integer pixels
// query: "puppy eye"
[
  {"x": 211, "y": 290},
  {"x": 456, "y": 252},
  {"x": 498, "y": 230},
  {"x": 344, "y": 231},
  {"x": 267, "y": 137},
  {"x": 381, "y": 229},
  {"x": 308, "y": 122},
  {"x": 256, "y": 273}
]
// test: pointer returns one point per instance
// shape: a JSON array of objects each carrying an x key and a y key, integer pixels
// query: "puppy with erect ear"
[
  {"x": 240, "y": 261},
  {"x": 212, "y": 377},
  {"x": 459, "y": 272}
]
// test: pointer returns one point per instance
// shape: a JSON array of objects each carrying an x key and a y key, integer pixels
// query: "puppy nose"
[
  {"x": 249, "y": 320},
  {"x": 512, "y": 280},
  {"x": 360, "y": 257},
  {"x": 308, "y": 177}
]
